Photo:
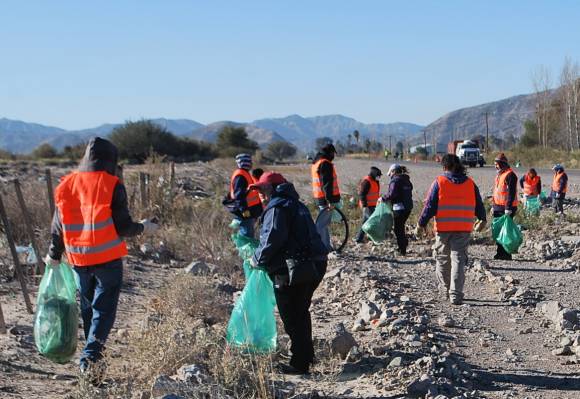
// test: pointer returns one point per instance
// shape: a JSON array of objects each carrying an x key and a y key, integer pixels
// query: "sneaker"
[
  {"x": 291, "y": 370},
  {"x": 456, "y": 301}
]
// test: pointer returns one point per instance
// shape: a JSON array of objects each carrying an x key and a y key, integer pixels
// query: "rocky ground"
[{"x": 381, "y": 329}]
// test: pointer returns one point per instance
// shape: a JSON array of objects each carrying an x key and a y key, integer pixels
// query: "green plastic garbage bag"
[
  {"x": 380, "y": 222},
  {"x": 507, "y": 233},
  {"x": 336, "y": 218},
  {"x": 532, "y": 206},
  {"x": 57, "y": 317},
  {"x": 252, "y": 325}
]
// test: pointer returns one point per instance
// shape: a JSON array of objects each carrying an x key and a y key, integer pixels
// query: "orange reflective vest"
[
  {"x": 456, "y": 205},
  {"x": 556, "y": 183},
  {"x": 373, "y": 194},
  {"x": 84, "y": 204},
  {"x": 531, "y": 185},
  {"x": 252, "y": 197},
  {"x": 500, "y": 190},
  {"x": 317, "y": 191}
]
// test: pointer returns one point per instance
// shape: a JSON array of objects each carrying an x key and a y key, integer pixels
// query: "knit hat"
[
  {"x": 558, "y": 167},
  {"x": 375, "y": 172},
  {"x": 244, "y": 161},
  {"x": 501, "y": 158}
]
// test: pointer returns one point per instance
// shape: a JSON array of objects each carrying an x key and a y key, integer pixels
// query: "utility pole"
[{"x": 486, "y": 134}]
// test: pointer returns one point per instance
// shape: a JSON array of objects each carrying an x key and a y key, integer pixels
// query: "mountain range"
[
  {"x": 23, "y": 137},
  {"x": 504, "y": 117}
]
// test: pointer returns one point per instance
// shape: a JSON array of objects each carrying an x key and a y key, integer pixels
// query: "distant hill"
[
  {"x": 505, "y": 117},
  {"x": 23, "y": 137},
  {"x": 304, "y": 131}
]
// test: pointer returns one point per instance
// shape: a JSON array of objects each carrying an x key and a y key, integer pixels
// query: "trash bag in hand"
[
  {"x": 336, "y": 217},
  {"x": 507, "y": 233},
  {"x": 379, "y": 223},
  {"x": 252, "y": 325},
  {"x": 57, "y": 317},
  {"x": 532, "y": 206}
]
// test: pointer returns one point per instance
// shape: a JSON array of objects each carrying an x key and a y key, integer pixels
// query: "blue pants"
[
  {"x": 247, "y": 227},
  {"x": 100, "y": 287},
  {"x": 322, "y": 222}
]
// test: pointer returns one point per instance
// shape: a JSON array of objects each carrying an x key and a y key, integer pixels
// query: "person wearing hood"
[
  {"x": 325, "y": 190},
  {"x": 505, "y": 197},
  {"x": 90, "y": 219},
  {"x": 559, "y": 188},
  {"x": 247, "y": 203},
  {"x": 400, "y": 195},
  {"x": 454, "y": 201},
  {"x": 293, "y": 254},
  {"x": 368, "y": 194}
]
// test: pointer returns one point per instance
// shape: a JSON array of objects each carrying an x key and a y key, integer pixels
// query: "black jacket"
[
  {"x": 100, "y": 155},
  {"x": 287, "y": 231},
  {"x": 326, "y": 173}
]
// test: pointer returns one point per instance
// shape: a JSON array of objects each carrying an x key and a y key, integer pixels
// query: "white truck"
[{"x": 467, "y": 151}]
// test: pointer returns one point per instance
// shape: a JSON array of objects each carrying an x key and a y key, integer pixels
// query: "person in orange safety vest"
[
  {"x": 455, "y": 202},
  {"x": 531, "y": 184},
  {"x": 325, "y": 190},
  {"x": 559, "y": 188},
  {"x": 247, "y": 202},
  {"x": 505, "y": 197},
  {"x": 368, "y": 194},
  {"x": 89, "y": 223}
]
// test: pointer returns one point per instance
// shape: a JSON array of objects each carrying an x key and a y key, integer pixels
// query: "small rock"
[
  {"x": 342, "y": 342},
  {"x": 358, "y": 325},
  {"x": 396, "y": 362},
  {"x": 446, "y": 321},
  {"x": 566, "y": 341},
  {"x": 146, "y": 249},
  {"x": 419, "y": 387},
  {"x": 354, "y": 355},
  {"x": 369, "y": 311},
  {"x": 122, "y": 333},
  {"x": 192, "y": 374},
  {"x": 199, "y": 268},
  {"x": 564, "y": 351}
]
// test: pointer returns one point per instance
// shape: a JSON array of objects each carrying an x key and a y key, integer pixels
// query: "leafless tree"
[
  {"x": 569, "y": 82},
  {"x": 542, "y": 82}
]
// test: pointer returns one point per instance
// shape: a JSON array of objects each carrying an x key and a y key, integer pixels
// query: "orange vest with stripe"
[
  {"x": 373, "y": 194},
  {"x": 317, "y": 191},
  {"x": 501, "y": 191},
  {"x": 556, "y": 183},
  {"x": 84, "y": 204},
  {"x": 456, "y": 206},
  {"x": 252, "y": 197},
  {"x": 531, "y": 185}
]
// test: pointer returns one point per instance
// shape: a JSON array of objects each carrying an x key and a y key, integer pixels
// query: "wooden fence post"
[
  {"x": 50, "y": 192},
  {"x": 28, "y": 224},
  {"x": 17, "y": 266},
  {"x": 143, "y": 189},
  {"x": 2, "y": 322}
]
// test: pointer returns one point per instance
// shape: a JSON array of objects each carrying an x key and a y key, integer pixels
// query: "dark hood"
[
  {"x": 402, "y": 178},
  {"x": 456, "y": 178},
  {"x": 322, "y": 154},
  {"x": 100, "y": 155},
  {"x": 285, "y": 190}
]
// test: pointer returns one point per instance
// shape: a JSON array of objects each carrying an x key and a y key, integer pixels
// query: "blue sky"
[{"x": 78, "y": 64}]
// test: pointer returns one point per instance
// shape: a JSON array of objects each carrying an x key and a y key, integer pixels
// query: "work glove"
[
  {"x": 148, "y": 226},
  {"x": 557, "y": 195},
  {"x": 48, "y": 261},
  {"x": 508, "y": 211},
  {"x": 480, "y": 226},
  {"x": 246, "y": 214}
]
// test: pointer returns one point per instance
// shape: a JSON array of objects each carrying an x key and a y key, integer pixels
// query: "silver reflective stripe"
[
  {"x": 88, "y": 226},
  {"x": 94, "y": 250},
  {"x": 456, "y": 207},
  {"x": 449, "y": 220},
  {"x": 316, "y": 180}
]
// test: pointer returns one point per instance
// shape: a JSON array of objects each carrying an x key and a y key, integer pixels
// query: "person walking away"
[
  {"x": 559, "y": 188},
  {"x": 531, "y": 184},
  {"x": 505, "y": 197},
  {"x": 90, "y": 218},
  {"x": 454, "y": 201},
  {"x": 247, "y": 203},
  {"x": 400, "y": 194},
  {"x": 369, "y": 191},
  {"x": 289, "y": 236},
  {"x": 325, "y": 190}
]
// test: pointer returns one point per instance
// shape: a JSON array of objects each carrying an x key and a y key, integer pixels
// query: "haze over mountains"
[{"x": 505, "y": 117}]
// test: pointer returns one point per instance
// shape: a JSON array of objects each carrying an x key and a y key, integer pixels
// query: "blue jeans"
[
  {"x": 247, "y": 227},
  {"x": 100, "y": 287},
  {"x": 322, "y": 222}
]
